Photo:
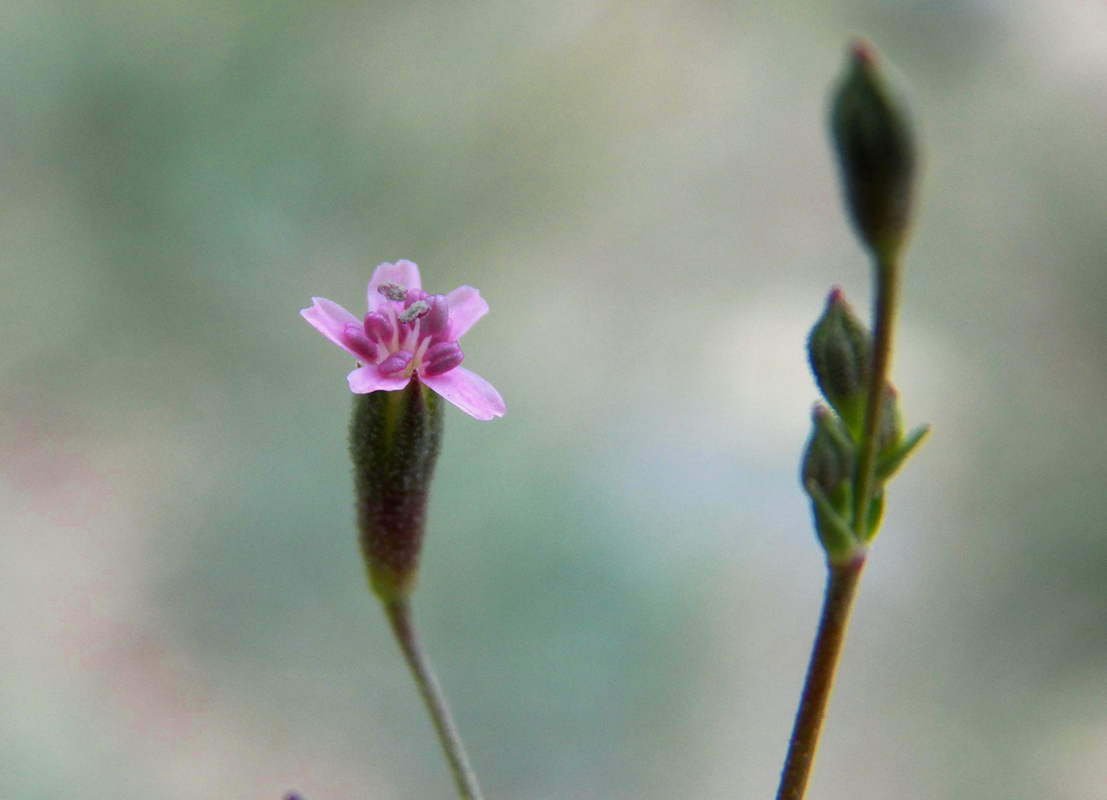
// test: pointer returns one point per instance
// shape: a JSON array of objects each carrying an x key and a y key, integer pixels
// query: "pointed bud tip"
[
  {"x": 837, "y": 301},
  {"x": 861, "y": 51}
]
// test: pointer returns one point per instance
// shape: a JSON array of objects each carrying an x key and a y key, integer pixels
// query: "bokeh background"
[{"x": 620, "y": 583}]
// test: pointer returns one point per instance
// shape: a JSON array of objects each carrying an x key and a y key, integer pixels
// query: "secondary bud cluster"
[{"x": 841, "y": 352}]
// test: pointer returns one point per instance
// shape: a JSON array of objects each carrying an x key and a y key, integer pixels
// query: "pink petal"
[
  {"x": 330, "y": 319},
  {"x": 471, "y": 393},
  {"x": 402, "y": 272},
  {"x": 466, "y": 307},
  {"x": 369, "y": 379}
]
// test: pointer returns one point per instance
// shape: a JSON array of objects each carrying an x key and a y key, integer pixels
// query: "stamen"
[
  {"x": 359, "y": 343},
  {"x": 378, "y": 327},
  {"x": 436, "y": 351},
  {"x": 445, "y": 362},
  {"x": 439, "y": 316},
  {"x": 414, "y": 296},
  {"x": 414, "y": 311},
  {"x": 397, "y": 362},
  {"x": 393, "y": 291}
]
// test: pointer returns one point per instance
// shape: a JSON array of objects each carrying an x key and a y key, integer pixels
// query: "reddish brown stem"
[
  {"x": 840, "y": 589},
  {"x": 399, "y": 616}
]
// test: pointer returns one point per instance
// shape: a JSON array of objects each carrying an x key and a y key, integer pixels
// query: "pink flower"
[{"x": 409, "y": 333}]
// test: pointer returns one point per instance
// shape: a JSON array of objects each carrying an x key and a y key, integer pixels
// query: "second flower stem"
[
  {"x": 399, "y": 616},
  {"x": 840, "y": 588},
  {"x": 843, "y": 578}
]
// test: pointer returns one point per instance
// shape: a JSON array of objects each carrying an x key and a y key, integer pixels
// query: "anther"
[
  {"x": 378, "y": 327},
  {"x": 439, "y": 316},
  {"x": 414, "y": 311},
  {"x": 359, "y": 343},
  {"x": 397, "y": 362},
  {"x": 393, "y": 291},
  {"x": 436, "y": 351},
  {"x": 445, "y": 360}
]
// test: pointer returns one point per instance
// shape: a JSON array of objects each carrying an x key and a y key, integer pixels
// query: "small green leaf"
[
  {"x": 891, "y": 461},
  {"x": 876, "y": 512}
]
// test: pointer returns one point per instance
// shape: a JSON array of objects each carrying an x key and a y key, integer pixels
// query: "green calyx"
[
  {"x": 394, "y": 443},
  {"x": 829, "y": 464},
  {"x": 875, "y": 142},
  {"x": 840, "y": 349}
]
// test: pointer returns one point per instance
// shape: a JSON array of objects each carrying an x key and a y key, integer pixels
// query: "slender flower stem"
[
  {"x": 399, "y": 615},
  {"x": 840, "y": 588},
  {"x": 887, "y": 272}
]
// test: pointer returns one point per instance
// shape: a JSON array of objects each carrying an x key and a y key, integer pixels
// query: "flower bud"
[
  {"x": 830, "y": 457},
  {"x": 873, "y": 135},
  {"x": 394, "y": 441},
  {"x": 841, "y": 353},
  {"x": 827, "y": 475}
]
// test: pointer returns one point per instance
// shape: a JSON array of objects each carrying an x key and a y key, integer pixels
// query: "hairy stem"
[
  {"x": 840, "y": 588},
  {"x": 399, "y": 615}
]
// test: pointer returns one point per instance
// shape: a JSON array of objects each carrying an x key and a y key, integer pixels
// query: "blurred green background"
[{"x": 620, "y": 582}]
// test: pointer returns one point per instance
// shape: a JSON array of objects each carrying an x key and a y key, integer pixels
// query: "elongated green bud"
[
  {"x": 394, "y": 442},
  {"x": 841, "y": 353},
  {"x": 875, "y": 141},
  {"x": 827, "y": 476}
]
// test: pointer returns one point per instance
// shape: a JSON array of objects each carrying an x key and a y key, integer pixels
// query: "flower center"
[{"x": 408, "y": 332}]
